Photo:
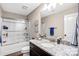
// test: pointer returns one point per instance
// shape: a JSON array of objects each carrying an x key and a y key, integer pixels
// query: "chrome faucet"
[{"x": 59, "y": 40}]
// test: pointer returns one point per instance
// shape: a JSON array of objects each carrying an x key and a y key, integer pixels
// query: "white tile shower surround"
[
  {"x": 56, "y": 49},
  {"x": 5, "y": 50}
]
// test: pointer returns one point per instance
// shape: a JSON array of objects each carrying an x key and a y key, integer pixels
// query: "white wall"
[
  {"x": 0, "y": 17},
  {"x": 70, "y": 26},
  {"x": 0, "y": 12},
  {"x": 35, "y": 17}
]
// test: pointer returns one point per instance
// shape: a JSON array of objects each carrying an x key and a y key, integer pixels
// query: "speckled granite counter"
[{"x": 55, "y": 49}]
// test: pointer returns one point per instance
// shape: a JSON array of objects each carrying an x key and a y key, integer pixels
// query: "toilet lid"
[{"x": 26, "y": 48}]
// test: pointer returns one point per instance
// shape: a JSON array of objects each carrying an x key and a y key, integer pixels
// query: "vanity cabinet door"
[
  {"x": 36, "y": 50},
  {"x": 32, "y": 50}
]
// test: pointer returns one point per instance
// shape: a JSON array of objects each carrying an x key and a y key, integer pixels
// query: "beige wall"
[
  {"x": 12, "y": 15},
  {"x": 35, "y": 18},
  {"x": 57, "y": 21}
]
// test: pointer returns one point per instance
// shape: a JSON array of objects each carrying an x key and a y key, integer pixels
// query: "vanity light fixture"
[{"x": 50, "y": 6}]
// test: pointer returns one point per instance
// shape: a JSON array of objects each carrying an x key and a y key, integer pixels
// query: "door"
[
  {"x": 13, "y": 31},
  {"x": 69, "y": 27}
]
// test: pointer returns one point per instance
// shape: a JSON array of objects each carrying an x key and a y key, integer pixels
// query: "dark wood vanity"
[{"x": 37, "y": 51}]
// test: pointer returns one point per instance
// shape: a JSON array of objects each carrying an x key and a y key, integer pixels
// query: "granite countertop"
[{"x": 55, "y": 49}]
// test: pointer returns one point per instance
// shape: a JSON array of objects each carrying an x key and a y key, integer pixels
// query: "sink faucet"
[
  {"x": 40, "y": 36},
  {"x": 59, "y": 40}
]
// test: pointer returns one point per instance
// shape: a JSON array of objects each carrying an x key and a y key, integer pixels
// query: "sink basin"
[{"x": 47, "y": 45}]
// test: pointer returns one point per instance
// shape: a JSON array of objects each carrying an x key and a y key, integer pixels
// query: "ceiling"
[
  {"x": 26, "y": 8},
  {"x": 57, "y": 8},
  {"x": 19, "y": 8}
]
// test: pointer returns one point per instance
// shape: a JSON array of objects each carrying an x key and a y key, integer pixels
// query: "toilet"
[{"x": 25, "y": 51}]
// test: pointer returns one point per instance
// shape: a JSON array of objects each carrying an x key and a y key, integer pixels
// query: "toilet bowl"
[{"x": 25, "y": 51}]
